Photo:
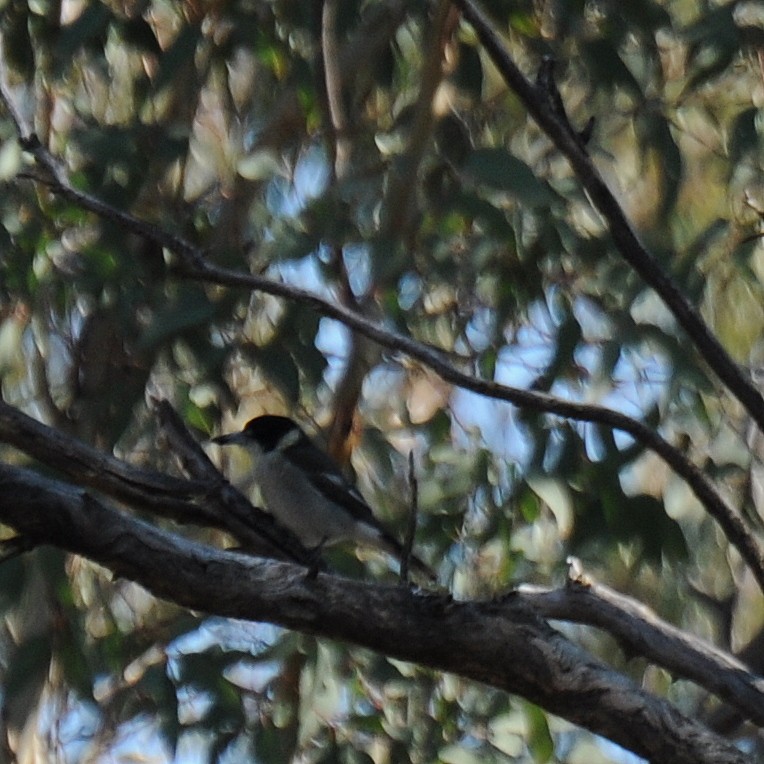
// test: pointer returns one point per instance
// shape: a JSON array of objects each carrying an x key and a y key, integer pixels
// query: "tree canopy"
[{"x": 502, "y": 260}]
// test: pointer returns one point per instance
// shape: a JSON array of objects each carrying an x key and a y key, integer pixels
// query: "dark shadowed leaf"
[
  {"x": 89, "y": 28},
  {"x": 499, "y": 170},
  {"x": 276, "y": 363},
  {"x": 189, "y": 310},
  {"x": 178, "y": 55},
  {"x": 469, "y": 72}
]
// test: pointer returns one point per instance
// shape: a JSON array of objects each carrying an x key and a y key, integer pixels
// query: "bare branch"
[
  {"x": 629, "y": 245},
  {"x": 348, "y": 389},
  {"x": 91, "y": 467},
  {"x": 505, "y": 645},
  {"x": 334, "y": 94},
  {"x": 642, "y": 632}
]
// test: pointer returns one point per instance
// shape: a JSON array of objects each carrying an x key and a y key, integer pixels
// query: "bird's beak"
[{"x": 233, "y": 437}]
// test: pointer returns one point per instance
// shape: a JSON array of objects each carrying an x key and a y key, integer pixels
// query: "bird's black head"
[{"x": 267, "y": 432}]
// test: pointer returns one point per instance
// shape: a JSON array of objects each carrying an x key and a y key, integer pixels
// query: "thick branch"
[
  {"x": 641, "y": 631},
  {"x": 91, "y": 467},
  {"x": 629, "y": 245},
  {"x": 223, "y": 507},
  {"x": 504, "y": 645}
]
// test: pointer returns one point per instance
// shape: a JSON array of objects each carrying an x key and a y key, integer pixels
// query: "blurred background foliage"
[{"x": 450, "y": 218}]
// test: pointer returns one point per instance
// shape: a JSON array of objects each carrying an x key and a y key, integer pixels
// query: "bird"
[{"x": 305, "y": 490}]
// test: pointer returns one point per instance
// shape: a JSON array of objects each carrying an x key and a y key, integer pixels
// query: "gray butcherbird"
[{"x": 306, "y": 491}]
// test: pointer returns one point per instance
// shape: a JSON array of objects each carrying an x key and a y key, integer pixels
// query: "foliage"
[{"x": 457, "y": 223}]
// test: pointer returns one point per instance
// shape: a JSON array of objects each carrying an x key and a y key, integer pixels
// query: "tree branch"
[
  {"x": 91, "y": 467},
  {"x": 348, "y": 390},
  {"x": 223, "y": 508},
  {"x": 505, "y": 645},
  {"x": 626, "y": 240},
  {"x": 642, "y": 632},
  {"x": 338, "y": 122}
]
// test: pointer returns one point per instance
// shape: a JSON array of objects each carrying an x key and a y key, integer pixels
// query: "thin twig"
[{"x": 408, "y": 539}]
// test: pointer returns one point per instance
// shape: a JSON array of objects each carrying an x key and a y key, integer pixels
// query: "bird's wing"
[
  {"x": 335, "y": 487},
  {"x": 329, "y": 480},
  {"x": 338, "y": 490}
]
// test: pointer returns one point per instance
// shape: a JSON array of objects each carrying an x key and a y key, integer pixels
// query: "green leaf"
[
  {"x": 157, "y": 695},
  {"x": 603, "y": 59},
  {"x": 487, "y": 363},
  {"x": 744, "y": 137},
  {"x": 17, "y": 45},
  {"x": 191, "y": 310},
  {"x": 654, "y": 132},
  {"x": 609, "y": 516},
  {"x": 713, "y": 43},
  {"x": 278, "y": 365},
  {"x": 645, "y": 519},
  {"x": 12, "y": 581},
  {"x": 540, "y": 740},
  {"x": 488, "y": 215},
  {"x": 646, "y": 16},
  {"x": 290, "y": 243},
  {"x": 499, "y": 170},
  {"x": 529, "y": 505},
  {"x": 203, "y": 419},
  {"x": 27, "y": 672},
  {"x": 71, "y": 654},
  {"x": 139, "y": 33}
]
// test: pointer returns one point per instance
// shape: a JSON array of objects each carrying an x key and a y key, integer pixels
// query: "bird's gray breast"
[{"x": 290, "y": 496}]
